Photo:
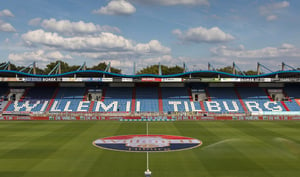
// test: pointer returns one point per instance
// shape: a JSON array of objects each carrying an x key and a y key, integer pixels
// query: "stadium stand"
[
  {"x": 256, "y": 99},
  {"x": 3, "y": 98},
  {"x": 147, "y": 98},
  {"x": 294, "y": 95},
  {"x": 97, "y": 93},
  {"x": 223, "y": 100},
  {"x": 68, "y": 99},
  {"x": 141, "y": 99},
  {"x": 119, "y": 95},
  {"x": 175, "y": 99},
  {"x": 36, "y": 98}
]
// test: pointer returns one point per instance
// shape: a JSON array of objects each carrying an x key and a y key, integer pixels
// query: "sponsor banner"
[
  {"x": 32, "y": 79},
  {"x": 64, "y": 79},
  {"x": 191, "y": 79},
  {"x": 117, "y": 79},
  {"x": 95, "y": 79},
  {"x": 148, "y": 119},
  {"x": 82, "y": 79},
  {"x": 285, "y": 80},
  {"x": 127, "y": 80},
  {"x": 72, "y": 79},
  {"x": 151, "y": 79},
  {"x": 147, "y": 143},
  {"x": 10, "y": 79},
  {"x": 267, "y": 79},
  {"x": 16, "y": 112},
  {"x": 91, "y": 79},
  {"x": 51, "y": 79},
  {"x": 210, "y": 80},
  {"x": 171, "y": 79},
  {"x": 139, "y": 118},
  {"x": 14, "y": 118},
  {"x": 230, "y": 79},
  {"x": 14, "y": 79},
  {"x": 107, "y": 79},
  {"x": 58, "y": 79}
]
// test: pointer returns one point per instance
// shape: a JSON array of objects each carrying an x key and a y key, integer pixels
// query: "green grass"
[{"x": 230, "y": 149}]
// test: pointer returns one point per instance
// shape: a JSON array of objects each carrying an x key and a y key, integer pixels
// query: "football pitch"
[{"x": 230, "y": 149}]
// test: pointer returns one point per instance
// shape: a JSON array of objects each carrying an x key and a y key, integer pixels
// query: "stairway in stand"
[
  {"x": 52, "y": 99},
  {"x": 241, "y": 100},
  {"x": 160, "y": 102},
  {"x": 133, "y": 99}
]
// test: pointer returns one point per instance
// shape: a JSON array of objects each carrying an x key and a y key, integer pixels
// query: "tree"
[
  {"x": 172, "y": 70},
  {"x": 250, "y": 72},
  {"x": 102, "y": 66},
  {"x": 227, "y": 69},
  {"x": 153, "y": 69},
  {"x": 13, "y": 67},
  {"x": 64, "y": 67}
]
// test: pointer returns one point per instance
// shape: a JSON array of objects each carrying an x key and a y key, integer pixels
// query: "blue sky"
[{"x": 151, "y": 31}]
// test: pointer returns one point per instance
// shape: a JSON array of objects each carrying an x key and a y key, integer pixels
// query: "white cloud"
[
  {"x": 164, "y": 59},
  {"x": 116, "y": 7},
  {"x": 269, "y": 8},
  {"x": 73, "y": 28},
  {"x": 168, "y": 60},
  {"x": 271, "y": 11},
  {"x": 272, "y": 17},
  {"x": 6, "y": 13},
  {"x": 287, "y": 46},
  {"x": 35, "y": 21},
  {"x": 126, "y": 65},
  {"x": 39, "y": 56},
  {"x": 6, "y": 27},
  {"x": 285, "y": 50},
  {"x": 154, "y": 46},
  {"x": 203, "y": 35},
  {"x": 174, "y": 2},
  {"x": 101, "y": 44}
]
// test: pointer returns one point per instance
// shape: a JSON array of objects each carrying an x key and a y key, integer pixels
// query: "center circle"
[{"x": 147, "y": 143}]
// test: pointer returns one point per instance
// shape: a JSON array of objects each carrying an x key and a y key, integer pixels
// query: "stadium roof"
[{"x": 191, "y": 74}]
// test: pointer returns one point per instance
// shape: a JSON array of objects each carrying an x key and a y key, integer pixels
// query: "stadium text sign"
[
  {"x": 147, "y": 143},
  {"x": 126, "y": 106}
]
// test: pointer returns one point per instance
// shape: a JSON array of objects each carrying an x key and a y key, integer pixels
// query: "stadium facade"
[{"x": 98, "y": 95}]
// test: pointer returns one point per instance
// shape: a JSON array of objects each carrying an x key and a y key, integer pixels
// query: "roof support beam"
[{"x": 57, "y": 69}]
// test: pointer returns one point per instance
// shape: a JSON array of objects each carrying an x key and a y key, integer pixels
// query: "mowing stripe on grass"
[
  {"x": 230, "y": 159},
  {"x": 77, "y": 155},
  {"x": 265, "y": 151}
]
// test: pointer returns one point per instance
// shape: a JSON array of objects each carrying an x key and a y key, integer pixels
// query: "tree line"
[
  {"x": 65, "y": 67},
  {"x": 153, "y": 69}
]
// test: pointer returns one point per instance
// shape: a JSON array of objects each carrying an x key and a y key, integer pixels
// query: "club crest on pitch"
[{"x": 147, "y": 143}]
